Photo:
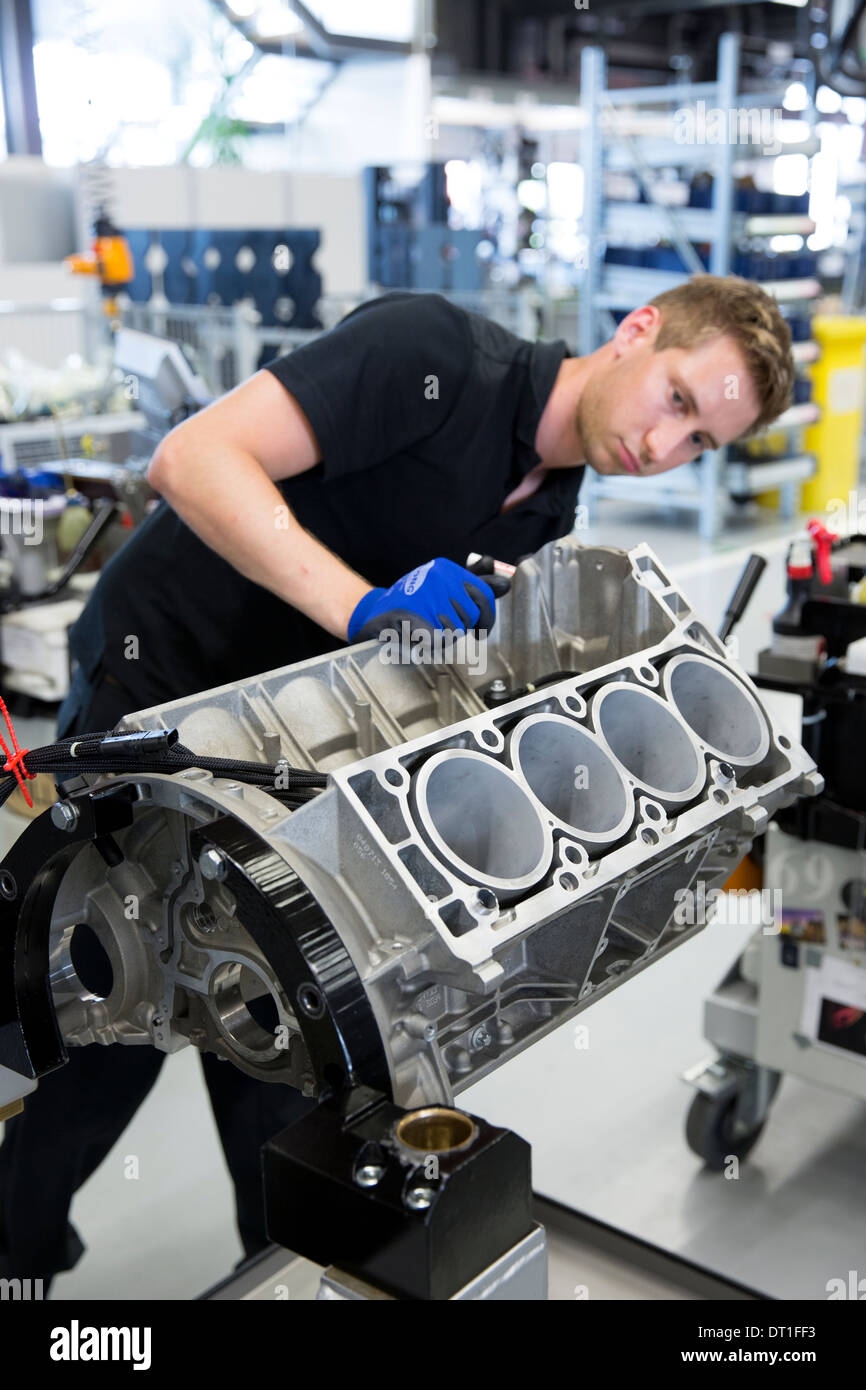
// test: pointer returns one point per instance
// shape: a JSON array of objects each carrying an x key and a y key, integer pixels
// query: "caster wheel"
[{"x": 710, "y": 1131}]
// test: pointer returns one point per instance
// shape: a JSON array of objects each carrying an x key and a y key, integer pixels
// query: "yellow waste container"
[{"x": 838, "y": 379}]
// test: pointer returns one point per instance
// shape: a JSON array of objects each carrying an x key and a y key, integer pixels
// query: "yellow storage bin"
[{"x": 838, "y": 380}]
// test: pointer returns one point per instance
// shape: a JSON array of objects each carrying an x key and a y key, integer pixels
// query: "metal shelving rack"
[{"x": 694, "y": 487}]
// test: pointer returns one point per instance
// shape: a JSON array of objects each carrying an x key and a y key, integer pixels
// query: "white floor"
[
  {"x": 606, "y": 1128},
  {"x": 605, "y": 1123}
]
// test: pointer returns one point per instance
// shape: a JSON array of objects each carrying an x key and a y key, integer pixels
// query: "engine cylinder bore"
[
  {"x": 718, "y": 709},
  {"x": 479, "y": 819},
  {"x": 573, "y": 777},
  {"x": 650, "y": 742}
]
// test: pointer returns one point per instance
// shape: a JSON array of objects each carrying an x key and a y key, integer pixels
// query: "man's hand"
[{"x": 440, "y": 594}]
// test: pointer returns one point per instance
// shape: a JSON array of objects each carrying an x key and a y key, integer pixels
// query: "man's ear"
[{"x": 639, "y": 328}]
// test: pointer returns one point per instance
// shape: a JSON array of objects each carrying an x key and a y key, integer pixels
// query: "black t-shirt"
[{"x": 426, "y": 418}]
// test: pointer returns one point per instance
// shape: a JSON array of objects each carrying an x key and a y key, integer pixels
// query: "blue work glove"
[{"x": 440, "y": 594}]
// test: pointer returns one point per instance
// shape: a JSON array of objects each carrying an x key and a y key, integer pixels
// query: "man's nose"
[{"x": 667, "y": 440}]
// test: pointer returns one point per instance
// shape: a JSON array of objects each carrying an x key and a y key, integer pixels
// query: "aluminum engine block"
[{"x": 470, "y": 878}]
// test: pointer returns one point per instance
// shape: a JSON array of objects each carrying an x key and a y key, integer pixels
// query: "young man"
[
  {"x": 413, "y": 430},
  {"x": 292, "y": 507}
]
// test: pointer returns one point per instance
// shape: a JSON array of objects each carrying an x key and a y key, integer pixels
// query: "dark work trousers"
[{"x": 77, "y": 1113}]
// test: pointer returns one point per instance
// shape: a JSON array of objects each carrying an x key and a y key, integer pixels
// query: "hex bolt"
[
  {"x": 479, "y": 1038},
  {"x": 497, "y": 693},
  {"x": 369, "y": 1174},
  {"x": 213, "y": 864},
  {"x": 64, "y": 815},
  {"x": 419, "y": 1198}
]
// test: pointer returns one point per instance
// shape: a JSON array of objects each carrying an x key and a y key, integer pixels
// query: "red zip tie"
[{"x": 15, "y": 761}]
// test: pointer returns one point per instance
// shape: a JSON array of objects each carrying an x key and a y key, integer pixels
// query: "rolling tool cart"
[{"x": 795, "y": 1000}]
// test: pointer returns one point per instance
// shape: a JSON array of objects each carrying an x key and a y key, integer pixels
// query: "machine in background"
[
  {"x": 795, "y": 1001},
  {"x": 58, "y": 519}
]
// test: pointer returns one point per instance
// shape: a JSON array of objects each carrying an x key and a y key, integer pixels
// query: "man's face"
[{"x": 646, "y": 412}]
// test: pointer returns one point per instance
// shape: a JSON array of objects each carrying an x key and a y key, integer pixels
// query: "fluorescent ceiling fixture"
[
  {"x": 80, "y": 91},
  {"x": 796, "y": 97},
  {"x": 488, "y": 114},
  {"x": 277, "y": 89},
  {"x": 274, "y": 21},
  {"x": 798, "y": 3},
  {"x": 386, "y": 19},
  {"x": 242, "y": 9}
]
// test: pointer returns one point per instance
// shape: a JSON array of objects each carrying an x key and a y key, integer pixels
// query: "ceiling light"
[{"x": 274, "y": 21}]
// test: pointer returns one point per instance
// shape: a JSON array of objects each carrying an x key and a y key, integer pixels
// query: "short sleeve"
[{"x": 387, "y": 377}]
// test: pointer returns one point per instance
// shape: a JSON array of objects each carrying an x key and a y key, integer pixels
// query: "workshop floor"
[{"x": 605, "y": 1122}]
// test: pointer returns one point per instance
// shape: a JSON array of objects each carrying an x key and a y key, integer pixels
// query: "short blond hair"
[{"x": 710, "y": 305}]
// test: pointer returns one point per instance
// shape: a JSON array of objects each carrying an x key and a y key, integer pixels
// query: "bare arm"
[{"x": 217, "y": 471}]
